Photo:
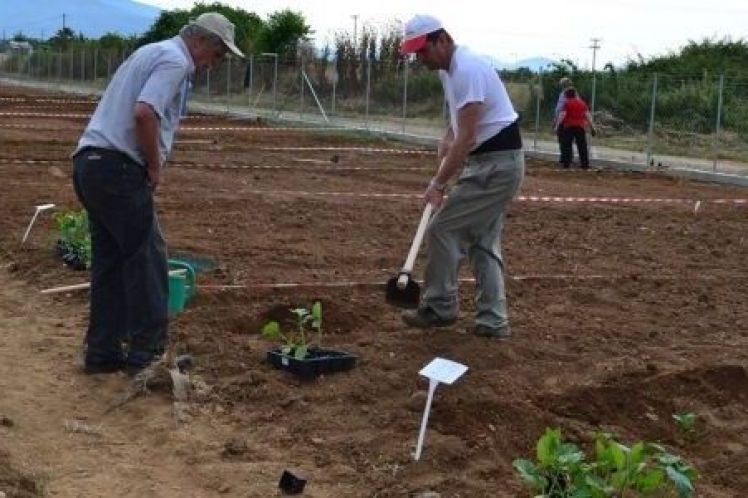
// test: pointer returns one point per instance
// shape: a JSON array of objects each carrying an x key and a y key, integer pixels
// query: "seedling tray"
[{"x": 317, "y": 362}]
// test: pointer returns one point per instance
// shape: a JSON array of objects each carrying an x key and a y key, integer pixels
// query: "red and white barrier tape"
[
  {"x": 382, "y": 283},
  {"x": 249, "y": 167},
  {"x": 516, "y": 278},
  {"x": 47, "y": 100},
  {"x": 521, "y": 198},
  {"x": 43, "y": 115},
  {"x": 256, "y": 128},
  {"x": 353, "y": 149}
]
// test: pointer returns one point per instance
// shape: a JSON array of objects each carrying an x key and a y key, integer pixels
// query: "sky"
[{"x": 516, "y": 30}]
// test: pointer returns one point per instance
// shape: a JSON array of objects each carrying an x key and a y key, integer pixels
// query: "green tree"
[
  {"x": 248, "y": 25},
  {"x": 282, "y": 33},
  {"x": 115, "y": 41},
  {"x": 62, "y": 39}
]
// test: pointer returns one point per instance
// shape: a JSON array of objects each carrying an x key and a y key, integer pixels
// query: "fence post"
[
  {"x": 405, "y": 93},
  {"x": 718, "y": 125},
  {"x": 301, "y": 89},
  {"x": 368, "y": 89},
  {"x": 334, "y": 88},
  {"x": 228, "y": 86},
  {"x": 305, "y": 78},
  {"x": 96, "y": 65},
  {"x": 275, "y": 86},
  {"x": 650, "y": 134},
  {"x": 538, "y": 94},
  {"x": 83, "y": 64},
  {"x": 250, "y": 83}
]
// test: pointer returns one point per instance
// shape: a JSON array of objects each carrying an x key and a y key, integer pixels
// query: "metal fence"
[{"x": 656, "y": 120}]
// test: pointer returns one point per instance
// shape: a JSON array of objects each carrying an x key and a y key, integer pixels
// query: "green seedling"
[
  {"x": 296, "y": 343},
  {"x": 74, "y": 234},
  {"x": 644, "y": 469},
  {"x": 686, "y": 422}
]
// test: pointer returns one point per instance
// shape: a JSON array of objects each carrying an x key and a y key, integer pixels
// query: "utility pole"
[
  {"x": 595, "y": 46},
  {"x": 63, "y": 21},
  {"x": 355, "y": 28}
]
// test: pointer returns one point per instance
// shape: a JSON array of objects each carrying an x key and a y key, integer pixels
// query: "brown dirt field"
[{"x": 623, "y": 314}]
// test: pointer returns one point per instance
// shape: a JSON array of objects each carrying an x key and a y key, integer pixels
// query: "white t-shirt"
[{"x": 472, "y": 79}]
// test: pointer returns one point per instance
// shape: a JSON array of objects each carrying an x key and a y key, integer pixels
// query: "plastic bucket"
[{"x": 181, "y": 285}]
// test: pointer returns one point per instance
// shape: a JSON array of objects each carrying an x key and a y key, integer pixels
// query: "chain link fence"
[{"x": 654, "y": 120}]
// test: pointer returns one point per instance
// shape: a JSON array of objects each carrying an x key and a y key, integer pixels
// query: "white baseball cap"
[
  {"x": 221, "y": 27},
  {"x": 416, "y": 31}
]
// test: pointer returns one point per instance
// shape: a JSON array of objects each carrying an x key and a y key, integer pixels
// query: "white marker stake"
[
  {"x": 39, "y": 209},
  {"x": 439, "y": 370}
]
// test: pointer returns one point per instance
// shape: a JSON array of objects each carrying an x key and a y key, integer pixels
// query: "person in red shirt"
[{"x": 571, "y": 125}]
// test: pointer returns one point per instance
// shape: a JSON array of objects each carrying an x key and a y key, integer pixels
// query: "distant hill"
[
  {"x": 93, "y": 18},
  {"x": 534, "y": 64}
]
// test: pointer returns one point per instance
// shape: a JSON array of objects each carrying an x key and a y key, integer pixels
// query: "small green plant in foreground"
[
  {"x": 296, "y": 342},
  {"x": 686, "y": 422},
  {"x": 74, "y": 235},
  {"x": 645, "y": 469}
]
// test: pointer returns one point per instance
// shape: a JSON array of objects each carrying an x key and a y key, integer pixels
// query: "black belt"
[
  {"x": 508, "y": 138},
  {"x": 107, "y": 153}
]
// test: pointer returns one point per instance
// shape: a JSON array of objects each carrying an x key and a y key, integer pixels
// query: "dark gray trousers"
[
  {"x": 129, "y": 268},
  {"x": 469, "y": 225}
]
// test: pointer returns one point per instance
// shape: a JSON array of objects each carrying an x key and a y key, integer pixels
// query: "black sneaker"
[
  {"x": 102, "y": 367},
  {"x": 425, "y": 318},
  {"x": 138, "y": 361},
  {"x": 500, "y": 333}
]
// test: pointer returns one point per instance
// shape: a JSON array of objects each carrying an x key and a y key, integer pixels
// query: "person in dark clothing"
[
  {"x": 571, "y": 126},
  {"x": 117, "y": 167}
]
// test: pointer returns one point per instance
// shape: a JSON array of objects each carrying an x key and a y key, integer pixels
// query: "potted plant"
[{"x": 296, "y": 354}]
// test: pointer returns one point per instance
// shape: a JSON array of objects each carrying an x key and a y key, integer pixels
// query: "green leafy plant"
[
  {"x": 686, "y": 422},
  {"x": 73, "y": 234},
  {"x": 645, "y": 469},
  {"x": 296, "y": 342}
]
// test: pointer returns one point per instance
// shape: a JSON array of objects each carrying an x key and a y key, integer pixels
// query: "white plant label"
[
  {"x": 439, "y": 370},
  {"x": 443, "y": 370},
  {"x": 39, "y": 209}
]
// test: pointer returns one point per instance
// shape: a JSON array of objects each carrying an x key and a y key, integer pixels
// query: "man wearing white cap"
[
  {"x": 117, "y": 167},
  {"x": 482, "y": 142}
]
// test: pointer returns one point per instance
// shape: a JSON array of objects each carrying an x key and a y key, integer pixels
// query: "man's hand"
[
  {"x": 154, "y": 175},
  {"x": 434, "y": 194},
  {"x": 146, "y": 130}
]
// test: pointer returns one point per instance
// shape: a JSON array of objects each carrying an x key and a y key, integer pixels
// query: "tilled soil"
[{"x": 624, "y": 310}]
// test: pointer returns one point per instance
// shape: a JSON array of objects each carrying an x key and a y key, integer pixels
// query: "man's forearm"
[
  {"x": 455, "y": 158},
  {"x": 146, "y": 131}
]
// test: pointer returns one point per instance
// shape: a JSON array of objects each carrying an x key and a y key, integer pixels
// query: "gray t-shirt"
[{"x": 155, "y": 74}]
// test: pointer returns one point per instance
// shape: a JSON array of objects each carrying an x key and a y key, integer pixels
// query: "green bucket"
[{"x": 182, "y": 285}]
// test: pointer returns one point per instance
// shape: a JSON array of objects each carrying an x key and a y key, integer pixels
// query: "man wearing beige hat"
[
  {"x": 482, "y": 148},
  {"x": 117, "y": 166}
]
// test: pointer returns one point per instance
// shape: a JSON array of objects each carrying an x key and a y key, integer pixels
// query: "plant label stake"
[
  {"x": 39, "y": 209},
  {"x": 439, "y": 370}
]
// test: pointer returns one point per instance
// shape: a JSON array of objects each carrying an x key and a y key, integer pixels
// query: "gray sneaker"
[
  {"x": 500, "y": 333},
  {"x": 425, "y": 318}
]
